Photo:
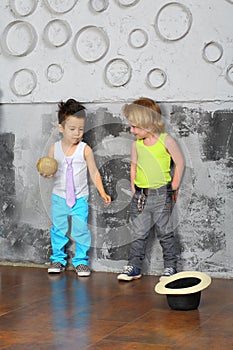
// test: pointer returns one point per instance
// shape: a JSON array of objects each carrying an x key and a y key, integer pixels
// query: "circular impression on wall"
[
  {"x": 54, "y": 72},
  {"x": 19, "y": 38},
  {"x": 23, "y": 82},
  {"x": 212, "y": 52},
  {"x": 127, "y": 3},
  {"x": 173, "y": 21},
  {"x": 138, "y": 38},
  {"x": 91, "y": 44},
  {"x": 57, "y": 32},
  {"x": 229, "y": 74},
  {"x": 156, "y": 78},
  {"x": 60, "y": 6},
  {"x": 117, "y": 72},
  {"x": 23, "y": 8},
  {"x": 98, "y": 5}
]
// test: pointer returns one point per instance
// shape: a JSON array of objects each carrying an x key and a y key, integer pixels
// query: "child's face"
[
  {"x": 138, "y": 132},
  {"x": 72, "y": 130}
]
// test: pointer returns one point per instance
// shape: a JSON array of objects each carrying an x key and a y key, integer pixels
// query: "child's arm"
[
  {"x": 133, "y": 166},
  {"x": 178, "y": 160},
  {"x": 95, "y": 175},
  {"x": 51, "y": 151}
]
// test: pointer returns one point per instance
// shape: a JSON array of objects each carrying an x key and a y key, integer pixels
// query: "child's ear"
[{"x": 60, "y": 127}]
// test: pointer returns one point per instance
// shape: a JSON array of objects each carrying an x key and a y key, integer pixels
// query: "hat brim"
[{"x": 162, "y": 286}]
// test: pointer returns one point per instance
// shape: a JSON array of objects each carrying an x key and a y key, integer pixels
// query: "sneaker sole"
[
  {"x": 124, "y": 277},
  {"x": 55, "y": 270},
  {"x": 83, "y": 274}
]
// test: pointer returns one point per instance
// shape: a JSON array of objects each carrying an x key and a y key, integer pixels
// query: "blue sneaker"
[{"x": 129, "y": 273}]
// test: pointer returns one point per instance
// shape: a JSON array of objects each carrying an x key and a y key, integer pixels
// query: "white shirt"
[{"x": 79, "y": 171}]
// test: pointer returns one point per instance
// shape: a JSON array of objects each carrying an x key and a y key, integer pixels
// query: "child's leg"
[
  {"x": 166, "y": 234},
  {"x": 80, "y": 232},
  {"x": 59, "y": 216},
  {"x": 141, "y": 225}
]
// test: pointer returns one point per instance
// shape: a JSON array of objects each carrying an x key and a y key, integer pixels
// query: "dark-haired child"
[{"x": 71, "y": 149}]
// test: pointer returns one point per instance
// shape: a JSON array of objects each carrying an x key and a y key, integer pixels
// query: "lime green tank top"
[{"x": 153, "y": 164}]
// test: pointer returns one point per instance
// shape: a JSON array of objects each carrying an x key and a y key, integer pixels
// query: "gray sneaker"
[
  {"x": 82, "y": 270},
  {"x": 56, "y": 267},
  {"x": 169, "y": 271}
]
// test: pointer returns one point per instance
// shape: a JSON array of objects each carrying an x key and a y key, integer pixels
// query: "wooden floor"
[{"x": 39, "y": 311}]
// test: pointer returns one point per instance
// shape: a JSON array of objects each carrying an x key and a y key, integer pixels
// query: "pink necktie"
[{"x": 70, "y": 193}]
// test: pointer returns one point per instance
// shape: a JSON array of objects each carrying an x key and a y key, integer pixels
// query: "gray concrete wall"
[
  {"x": 191, "y": 44},
  {"x": 203, "y": 212}
]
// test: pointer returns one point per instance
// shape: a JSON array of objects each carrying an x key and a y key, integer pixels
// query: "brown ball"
[{"x": 47, "y": 166}]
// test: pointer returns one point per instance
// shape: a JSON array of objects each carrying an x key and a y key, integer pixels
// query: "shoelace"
[
  {"x": 82, "y": 268},
  {"x": 168, "y": 270},
  {"x": 56, "y": 264},
  {"x": 128, "y": 268}
]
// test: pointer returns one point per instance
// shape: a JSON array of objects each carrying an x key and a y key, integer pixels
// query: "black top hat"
[{"x": 183, "y": 289}]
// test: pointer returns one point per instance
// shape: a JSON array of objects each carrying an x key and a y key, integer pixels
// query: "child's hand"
[
  {"x": 46, "y": 176},
  {"x": 174, "y": 193},
  {"x": 133, "y": 189},
  {"x": 107, "y": 199},
  {"x": 174, "y": 196}
]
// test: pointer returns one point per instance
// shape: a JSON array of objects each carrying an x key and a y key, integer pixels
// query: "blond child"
[{"x": 153, "y": 187}]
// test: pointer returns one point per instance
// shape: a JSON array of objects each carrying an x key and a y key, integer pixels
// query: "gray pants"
[{"x": 157, "y": 212}]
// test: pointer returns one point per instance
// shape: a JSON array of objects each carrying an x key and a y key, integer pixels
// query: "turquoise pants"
[{"x": 60, "y": 213}]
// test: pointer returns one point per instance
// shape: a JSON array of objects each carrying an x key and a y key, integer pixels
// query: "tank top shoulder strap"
[
  {"x": 139, "y": 141},
  {"x": 80, "y": 149},
  {"x": 57, "y": 149},
  {"x": 162, "y": 137}
]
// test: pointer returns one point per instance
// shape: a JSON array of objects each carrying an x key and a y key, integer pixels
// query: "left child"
[{"x": 72, "y": 150}]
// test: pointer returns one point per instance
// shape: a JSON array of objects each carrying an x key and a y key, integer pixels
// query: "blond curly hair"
[{"x": 146, "y": 114}]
